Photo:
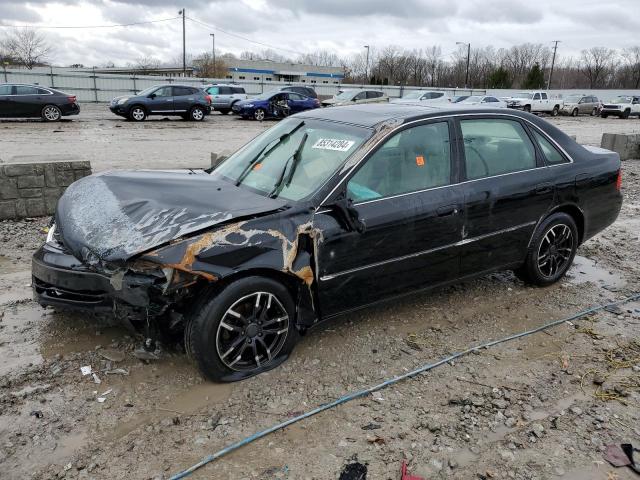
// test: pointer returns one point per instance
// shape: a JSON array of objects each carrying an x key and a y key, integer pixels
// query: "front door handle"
[
  {"x": 447, "y": 210},
  {"x": 544, "y": 188}
]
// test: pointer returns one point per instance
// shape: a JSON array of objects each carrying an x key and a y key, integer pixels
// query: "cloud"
[
  {"x": 19, "y": 12},
  {"x": 405, "y": 9}
]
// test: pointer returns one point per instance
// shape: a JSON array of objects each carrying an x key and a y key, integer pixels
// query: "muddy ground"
[{"x": 528, "y": 409}]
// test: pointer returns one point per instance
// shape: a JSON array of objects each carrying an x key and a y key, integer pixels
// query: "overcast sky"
[{"x": 309, "y": 25}]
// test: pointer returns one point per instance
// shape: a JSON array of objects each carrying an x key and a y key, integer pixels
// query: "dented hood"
[{"x": 113, "y": 216}]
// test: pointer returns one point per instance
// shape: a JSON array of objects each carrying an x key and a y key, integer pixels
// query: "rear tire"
[
  {"x": 51, "y": 113},
  {"x": 224, "y": 111},
  {"x": 552, "y": 250},
  {"x": 196, "y": 113},
  {"x": 554, "y": 112},
  {"x": 226, "y": 333},
  {"x": 137, "y": 113},
  {"x": 604, "y": 115},
  {"x": 574, "y": 112}
]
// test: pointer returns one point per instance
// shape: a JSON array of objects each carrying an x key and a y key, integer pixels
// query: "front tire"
[
  {"x": 245, "y": 329},
  {"x": 625, "y": 114},
  {"x": 137, "y": 113},
  {"x": 574, "y": 112},
  {"x": 594, "y": 112},
  {"x": 259, "y": 114},
  {"x": 51, "y": 113},
  {"x": 604, "y": 115},
  {"x": 527, "y": 108},
  {"x": 551, "y": 252},
  {"x": 196, "y": 114}
]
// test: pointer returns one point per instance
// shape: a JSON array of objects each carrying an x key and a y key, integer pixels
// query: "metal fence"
[{"x": 90, "y": 86}]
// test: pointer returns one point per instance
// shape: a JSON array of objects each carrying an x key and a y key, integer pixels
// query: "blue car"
[{"x": 274, "y": 105}]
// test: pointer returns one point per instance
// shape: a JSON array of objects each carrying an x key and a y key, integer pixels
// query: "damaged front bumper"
[{"x": 60, "y": 280}]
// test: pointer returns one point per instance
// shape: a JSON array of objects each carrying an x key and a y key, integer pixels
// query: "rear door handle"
[
  {"x": 544, "y": 188},
  {"x": 447, "y": 210}
]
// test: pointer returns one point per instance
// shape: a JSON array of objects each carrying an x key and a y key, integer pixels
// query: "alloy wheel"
[
  {"x": 259, "y": 115},
  {"x": 555, "y": 251},
  {"x": 51, "y": 113},
  {"x": 197, "y": 114},
  {"x": 138, "y": 114},
  {"x": 252, "y": 331}
]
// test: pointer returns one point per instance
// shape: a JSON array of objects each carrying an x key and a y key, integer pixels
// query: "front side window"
[
  {"x": 163, "y": 92},
  {"x": 536, "y": 96},
  {"x": 551, "y": 153},
  {"x": 414, "y": 159},
  {"x": 496, "y": 146},
  {"x": 360, "y": 96},
  {"x": 213, "y": 90},
  {"x": 5, "y": 89},
  {"x": 294, "y": 158}
]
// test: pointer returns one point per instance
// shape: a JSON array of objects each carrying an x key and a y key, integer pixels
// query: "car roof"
[
  {"x": 223, "y": 85},
  {"x": 370, "y": 115}
]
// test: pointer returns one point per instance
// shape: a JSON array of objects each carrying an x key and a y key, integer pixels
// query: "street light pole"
[
  {"x": 213, "y": 52},
  {"x": 366, "y": 68},
  {"x": 184, "y": 44},
  {"x": 553, "y": 61},
  {"x": 466, "y": 79}
]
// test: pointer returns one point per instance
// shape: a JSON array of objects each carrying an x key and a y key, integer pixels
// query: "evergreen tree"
[
  {"x": 499, "y": 78},
  {"x": 535, "y": 78}
]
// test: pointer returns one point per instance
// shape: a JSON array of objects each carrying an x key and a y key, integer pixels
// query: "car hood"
[
  {"x": 113, "y": 216},
  {"x": 335, "y": 101}
]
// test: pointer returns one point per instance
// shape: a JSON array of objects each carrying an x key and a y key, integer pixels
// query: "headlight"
[
  {"x": 122, "y": 100},
  {"x": 50, "y": 233}
]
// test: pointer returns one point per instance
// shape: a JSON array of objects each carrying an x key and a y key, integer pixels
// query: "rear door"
[
  {"x": 161, "y": 101},
  {"x": 184, "y": 98},
  {"x": 406, "y": 195},
  {"x": 26, "y": 101},
  {"x": 5, "y": 100},
  {"x": 507, "y": 190},
  {"x": 296, "y": 103}
]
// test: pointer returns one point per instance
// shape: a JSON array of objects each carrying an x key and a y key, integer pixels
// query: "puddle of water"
[
  {"x": 586, "y": 270},
  {"x": 15, "y": 285}
]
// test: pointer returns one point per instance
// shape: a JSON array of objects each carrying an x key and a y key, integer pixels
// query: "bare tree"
[
  {"x": 27, "y": 46},
  {"x": 145, "y": 64},
  {"x": 207, "y": 69},
  {"x": 631, "y": 57},
  {"x": 596, "y": 64}
]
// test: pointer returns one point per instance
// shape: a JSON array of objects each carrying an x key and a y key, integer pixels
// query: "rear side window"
[
  {"x": 225, "y": 91},
  {"x": 42, "y": 91},
  {"x": 22, "y": 90},
  {"x": 495, "y": 146},
  {"x": 181, "y": 91},
  {"x": 551, "y": 153},
  {"x": 237, "y": 90},
  {"x": 544, "y": 96},
  {"x": 374, "y": 94},
  {"x": 295, "y": 96}
]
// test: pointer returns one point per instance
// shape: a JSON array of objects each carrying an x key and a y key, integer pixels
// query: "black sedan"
[
  {"x": 27, "y": 101},
  {"x": 329, "y": 211},
  {"x": 188, "y": 102}
]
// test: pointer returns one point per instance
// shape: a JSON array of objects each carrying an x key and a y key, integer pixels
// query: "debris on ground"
[{"x": 354, "y": 471}]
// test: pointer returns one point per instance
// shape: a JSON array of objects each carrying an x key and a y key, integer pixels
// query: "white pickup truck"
[{"x": 537, "y": 101}]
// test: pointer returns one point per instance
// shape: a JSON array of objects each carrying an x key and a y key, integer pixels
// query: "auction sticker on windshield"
[{"x": 333, "y": 144}]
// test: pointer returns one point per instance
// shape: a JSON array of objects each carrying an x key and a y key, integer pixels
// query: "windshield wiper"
[
  {"x": 280, "y": 184},
  {"x": 266, "y": 152}
]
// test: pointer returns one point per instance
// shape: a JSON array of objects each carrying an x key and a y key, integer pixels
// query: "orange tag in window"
[
  {"x": 420, "y": 161},
  {"x": 257, "y": 166}
]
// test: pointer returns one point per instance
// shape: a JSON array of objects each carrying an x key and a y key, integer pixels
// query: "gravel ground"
[{"x": 541, "y": 407}]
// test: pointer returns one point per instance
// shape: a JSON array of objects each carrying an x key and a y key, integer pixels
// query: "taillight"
[
  {"x": 72, "y": 99},
  {"x": 316, "y": 101},
  {"x": 208, "y": 98},
  {"x": 619, "y": 180}
]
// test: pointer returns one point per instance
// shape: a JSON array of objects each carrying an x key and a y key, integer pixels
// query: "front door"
[
  {"x": 508, "y": 190},
  {"x": 404, "y": 194},
  {"x": 161, "y": 101}
]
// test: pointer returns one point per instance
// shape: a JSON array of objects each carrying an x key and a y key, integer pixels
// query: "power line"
[
  {"x": 41, "y": 27},
  {"x": 245, "y": 38}
]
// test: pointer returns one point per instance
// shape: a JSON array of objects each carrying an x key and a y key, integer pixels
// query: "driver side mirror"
[
  {"x": 347, "y": 214},
  {"x": 152, "y": 96}
]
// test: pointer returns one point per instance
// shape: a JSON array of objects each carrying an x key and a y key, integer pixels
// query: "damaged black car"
[{"x": 328, "y": 211}]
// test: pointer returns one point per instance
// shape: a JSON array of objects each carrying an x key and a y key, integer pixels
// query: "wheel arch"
[
  {"x": 574, "y": 212},
  {"x": 141, "y": 105}
]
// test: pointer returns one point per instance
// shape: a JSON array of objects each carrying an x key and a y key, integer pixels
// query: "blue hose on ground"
[{"x": 380, "y": 386}]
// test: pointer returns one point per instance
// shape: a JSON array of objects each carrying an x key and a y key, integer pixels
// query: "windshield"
[
  {"x": 412, "y": 95},
  {"x": 294, "y": 158},
  {"x": 147, "y": 91},
  {"x": 459, "y": 98},
  {"x": 346, "y": 95},
  {"x": 573, "y": 98},
  {"x": 523, "y": 95},
  {"x": 621, "y": 100}
]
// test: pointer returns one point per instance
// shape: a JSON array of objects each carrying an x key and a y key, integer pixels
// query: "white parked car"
[
  {"x": 623, "y": 106},
  {"x": 537, "y": 102},
  {"x": 420, "y": 96},
  {"x": 483, "y": 100},
  {"x": 349, "y": 97}
]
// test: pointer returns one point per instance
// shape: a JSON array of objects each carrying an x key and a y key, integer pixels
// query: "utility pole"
[
  {"x": 366, "y": 68},
  {"x": 213, "y": 52},
  {"x": 466, "y": 78},
  {"x": 553, "y": 61},
  {"x": 184, "y": 44}
]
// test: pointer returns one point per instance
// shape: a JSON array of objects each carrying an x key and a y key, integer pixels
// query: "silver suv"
[{"x": 224, "y": 96}]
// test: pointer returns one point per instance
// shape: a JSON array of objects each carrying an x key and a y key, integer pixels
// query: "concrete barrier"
[
  {"x": 31, "y": 186},
  {"x": 626, "y": 145}
]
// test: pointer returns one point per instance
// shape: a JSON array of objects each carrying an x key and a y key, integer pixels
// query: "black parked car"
[
  {"x": 25, "y": 101},
  {"x": 190, "y": 103},
  {"x": 329, "y": 211}
]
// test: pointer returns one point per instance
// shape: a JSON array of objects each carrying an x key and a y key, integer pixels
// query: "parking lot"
[{"x": 539, "y": 407}]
